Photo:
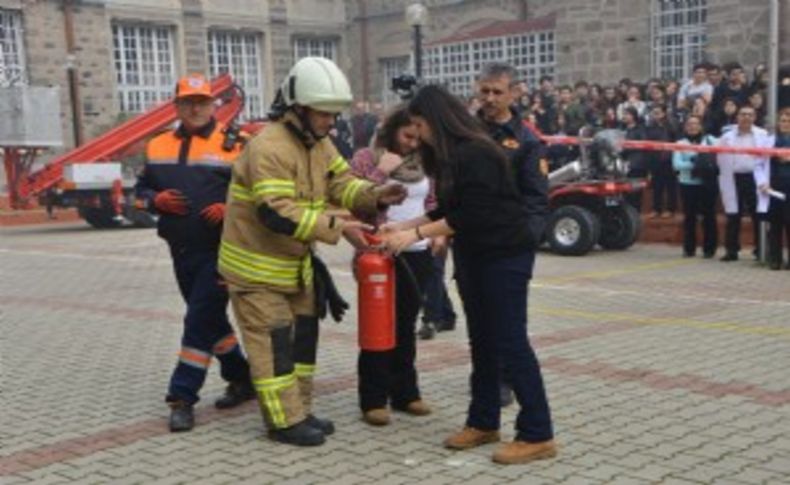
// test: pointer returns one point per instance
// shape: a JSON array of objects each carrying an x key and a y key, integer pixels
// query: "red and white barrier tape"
[{"x": 659, "y": 146}]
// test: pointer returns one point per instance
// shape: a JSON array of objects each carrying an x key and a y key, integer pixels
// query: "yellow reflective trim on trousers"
[
  {"x": 239, "y": 192},
  {"x": 257, "y": 268},
  {"x": 275, "y": 187},
  {"x": 254, "y": 276},
  {"x": 339, "y": 166},
  {"x": 306, "y": 224},
  {"x": 307, "y": 271},
  {"x": 350, "y": 193},
  {"x": 262, "y": 260},
  {"x": 269, "y": 390},
  {"x": 304, "y": 370}
]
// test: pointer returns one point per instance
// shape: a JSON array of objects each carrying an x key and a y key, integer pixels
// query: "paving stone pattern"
[{"x": 659, "y": 369}]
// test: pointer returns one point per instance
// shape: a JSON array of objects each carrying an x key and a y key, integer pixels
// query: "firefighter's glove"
[
  {"x": 171, "y": 201},
  {"x": 214, "y": 213},
  {"x": 327, "y": 297}
]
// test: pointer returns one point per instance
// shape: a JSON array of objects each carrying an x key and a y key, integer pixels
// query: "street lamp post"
[{"x": 417, "y": 17}]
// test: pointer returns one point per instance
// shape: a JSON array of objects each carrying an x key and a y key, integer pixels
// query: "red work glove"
[
  {"x": 214, "y": 213},
  {"x": 171, "y": 201}
]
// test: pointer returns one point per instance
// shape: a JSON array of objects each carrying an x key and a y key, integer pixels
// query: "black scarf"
[{"x": 695, "y": 139}]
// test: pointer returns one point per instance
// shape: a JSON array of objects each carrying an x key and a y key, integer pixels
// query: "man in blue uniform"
[
  {"x": 498, "y": 92},
  {"x": 185, "y": 180}
]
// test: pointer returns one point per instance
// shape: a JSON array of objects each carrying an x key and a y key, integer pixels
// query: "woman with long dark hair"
[
  {"x": 494, "y": 251},
  {"x": 391, "y": 377}
]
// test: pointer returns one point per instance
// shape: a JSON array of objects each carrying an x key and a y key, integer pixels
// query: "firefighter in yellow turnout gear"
[{"x": 281, "y": 185}]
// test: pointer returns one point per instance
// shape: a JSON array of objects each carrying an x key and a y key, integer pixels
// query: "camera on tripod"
[{"x": 405, "y": 86}]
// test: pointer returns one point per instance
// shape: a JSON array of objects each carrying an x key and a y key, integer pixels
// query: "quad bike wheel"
[
  {"x": 572, "y": 230},
  {"x": 620, "y": 227}
]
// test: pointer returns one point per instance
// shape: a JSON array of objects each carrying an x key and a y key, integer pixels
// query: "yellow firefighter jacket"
[{"x": 280, "y": 188}]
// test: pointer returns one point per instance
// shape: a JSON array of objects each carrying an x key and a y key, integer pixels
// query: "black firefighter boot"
[
  {"x": 235, "y": 394},
  {"x": 182, "y": 417},
  {"x": 324, "y": 425},
  {"x": 300, "y": 434}
]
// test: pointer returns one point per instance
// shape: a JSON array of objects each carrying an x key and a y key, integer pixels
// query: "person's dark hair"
[
  {"x": 581, "y": 84},
  {"x": 565, "y": 87},
  {"x": 499, "y": 69},
  {"x": 732, "y": 66},
  {"x": 700, "y": 65},
  {"x": 782, "y": 113},
  {"x": 728, "y": 99},
  {"x": 450, "y": 123},
  {"x": 745, "y": 106},
  {"x": 387, "y": 134},
  {"x": 634, "y": 113},
  {"x": 712, "y": 66},
  {"x": 545, "y": 78}
]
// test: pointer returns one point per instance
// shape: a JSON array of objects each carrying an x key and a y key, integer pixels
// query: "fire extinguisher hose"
[{"x": 414, "y": 285}]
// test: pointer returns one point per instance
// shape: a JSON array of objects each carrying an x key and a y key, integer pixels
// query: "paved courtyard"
[{"x": 659, "y": 369}]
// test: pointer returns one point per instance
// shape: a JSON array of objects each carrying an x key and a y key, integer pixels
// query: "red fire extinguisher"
[{"x": 376, "y": 298}]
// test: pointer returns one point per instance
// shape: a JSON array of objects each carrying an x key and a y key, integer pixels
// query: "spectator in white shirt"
[
  {"x": 737, "y": 179},
  {"x": 697, "y": 86},
  {"x": 634, "y": 100}
]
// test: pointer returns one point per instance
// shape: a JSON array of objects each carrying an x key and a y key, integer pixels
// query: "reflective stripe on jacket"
[
  {"x": 196, "y": 165},
  {"x": 276, "y": 205}
]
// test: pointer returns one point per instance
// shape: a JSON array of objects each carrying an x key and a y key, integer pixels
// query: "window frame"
[
  {"x": 13, "y": 65},
  {"x": 316, "y": 47},
  {"x": 244, "y": 66},
  {"x": 139, "y": 86},
  {"x": 457, "y": 64},
  {"x": 679, "y": 37}
]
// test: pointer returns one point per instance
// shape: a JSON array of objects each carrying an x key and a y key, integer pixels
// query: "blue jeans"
[
  {"x": 207, "y": 331},
  {"x": 494, "y": 295},
  {"x": 438, "y": 306}
]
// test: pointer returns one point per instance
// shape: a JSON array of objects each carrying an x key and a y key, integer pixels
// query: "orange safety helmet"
[{"x": 193, "y": 85}]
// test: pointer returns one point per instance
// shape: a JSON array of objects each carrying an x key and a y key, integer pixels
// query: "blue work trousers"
[
  {"x": 207, "y": 331},
  {"x": 494, "y": 294}
]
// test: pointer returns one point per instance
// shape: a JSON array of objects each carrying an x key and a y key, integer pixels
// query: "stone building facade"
[
  {"x": 596, "y": 40},
  {"x": 128, "y": 53}
]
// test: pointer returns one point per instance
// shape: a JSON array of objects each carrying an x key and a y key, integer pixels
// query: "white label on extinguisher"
[{"x": 378, "y": 278}]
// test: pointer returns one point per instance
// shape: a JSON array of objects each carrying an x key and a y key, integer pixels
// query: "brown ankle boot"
[
  {"x": 377, "y": 416},
  {"x": 418, "y": 408},
  {"x": 471, "y": 438},
  {"x": 524, "y": 452}
]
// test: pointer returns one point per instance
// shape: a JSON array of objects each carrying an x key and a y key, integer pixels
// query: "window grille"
[
  {"x": 679, "y": 37},
  {"x": 239, "y": 54},
  {"x": 144, "y": 66},
  {"x": 12, "y": 49},
  {"x": 310, "y": 47},
  {"x": 457, "y": 65}
]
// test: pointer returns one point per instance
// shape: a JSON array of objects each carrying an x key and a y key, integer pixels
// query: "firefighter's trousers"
[
  {"x": 280, "y": 336},
  {"x": 207, "y": 331}
]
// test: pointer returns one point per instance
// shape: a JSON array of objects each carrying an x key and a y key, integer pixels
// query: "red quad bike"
[{"x": 587, "y": 200}]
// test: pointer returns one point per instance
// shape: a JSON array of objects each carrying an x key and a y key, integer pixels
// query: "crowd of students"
[{"x": 718, "y": 105}]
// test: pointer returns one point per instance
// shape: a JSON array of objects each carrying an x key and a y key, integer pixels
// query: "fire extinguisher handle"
[{"x": 372, "y": 239}]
